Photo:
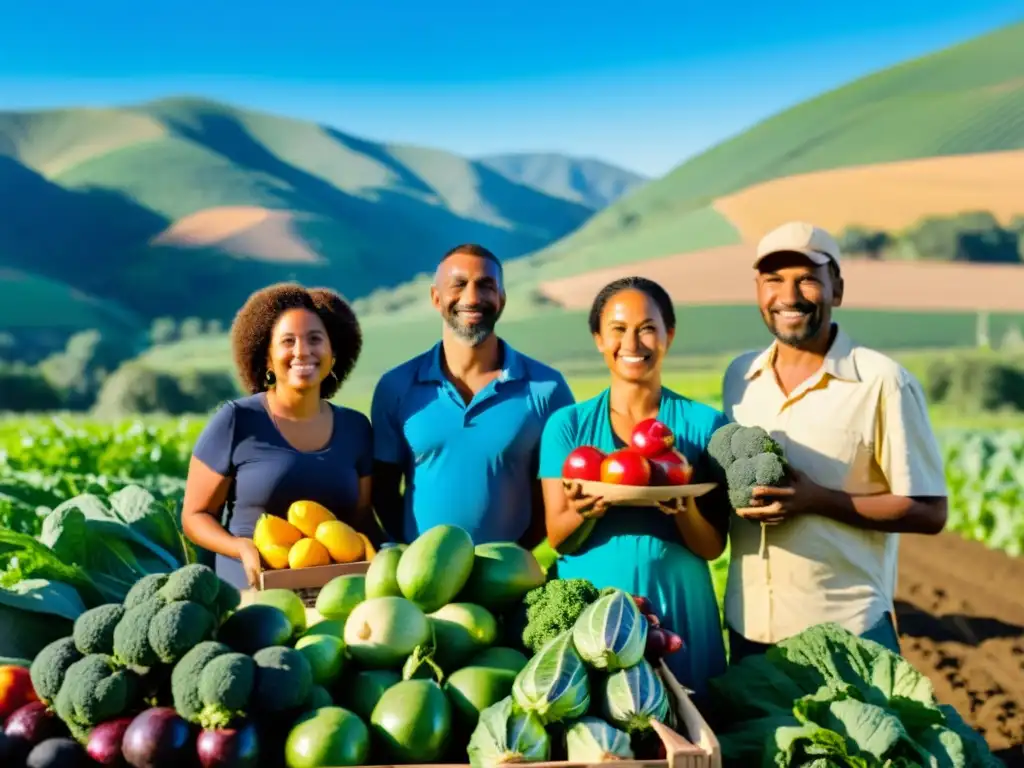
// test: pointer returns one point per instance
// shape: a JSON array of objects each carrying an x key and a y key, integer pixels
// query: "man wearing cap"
[{"x": 865, "y": 463}]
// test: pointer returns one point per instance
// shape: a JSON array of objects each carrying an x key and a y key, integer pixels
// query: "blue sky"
[{"x": 641, "y": 84}]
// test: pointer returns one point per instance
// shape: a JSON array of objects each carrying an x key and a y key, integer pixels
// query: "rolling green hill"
[
  {"x": 593, "y": 183},
  {"x": 965, "y": 99},
  {"x": 183, "y": 206}
]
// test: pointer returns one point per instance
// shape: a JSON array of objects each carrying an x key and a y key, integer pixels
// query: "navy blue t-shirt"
[{"x": 241, "y": 441}]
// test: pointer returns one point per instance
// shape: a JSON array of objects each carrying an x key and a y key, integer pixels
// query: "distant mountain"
[
  {"x": 593, "y": 183},
  {"x": 183, "y": 206}
]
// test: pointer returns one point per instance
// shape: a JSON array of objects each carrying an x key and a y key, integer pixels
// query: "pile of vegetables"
[
  {"x": 827, "y": 697},
  {"x": 419, "y": 660}
]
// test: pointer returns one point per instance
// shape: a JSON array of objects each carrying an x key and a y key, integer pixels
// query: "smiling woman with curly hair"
[{"x": 284, "y": 442}]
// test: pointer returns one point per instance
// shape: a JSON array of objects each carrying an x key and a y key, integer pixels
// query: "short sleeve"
[
  {"x": 215, "y": 446},
  {"x": 387, "y": 446},
  {"x": 561, "y": 396},
  {"x": 730, "y": 395},
  {"x": 907, "y": 451},
  {"x": 364, "y": 455},
  {"x": 557, "y": 441}
]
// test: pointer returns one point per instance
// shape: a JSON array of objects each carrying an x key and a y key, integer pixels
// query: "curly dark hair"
[
  {"x": 656, "y": 293},
  {"x": 254, "y": 324}
]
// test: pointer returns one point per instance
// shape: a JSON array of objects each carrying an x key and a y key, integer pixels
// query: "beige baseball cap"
[{"x": 800, "y": 237}]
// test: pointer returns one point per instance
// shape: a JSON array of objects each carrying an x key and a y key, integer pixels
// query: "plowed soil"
[{"x": 960, "y": 608}]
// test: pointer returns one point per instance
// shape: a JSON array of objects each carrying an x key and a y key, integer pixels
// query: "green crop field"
[{"x": 48, "y": 458}]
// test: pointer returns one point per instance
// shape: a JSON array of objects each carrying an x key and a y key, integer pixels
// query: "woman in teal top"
[{"x": 661, "y": 554}]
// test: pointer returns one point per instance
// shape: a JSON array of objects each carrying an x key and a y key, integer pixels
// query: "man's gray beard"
[{"x": 473, "y": 336}]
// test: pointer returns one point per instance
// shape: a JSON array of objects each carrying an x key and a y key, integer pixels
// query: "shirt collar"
[
  {"x": 838, "y": 363},
  {"x": 514, "y": 367}
]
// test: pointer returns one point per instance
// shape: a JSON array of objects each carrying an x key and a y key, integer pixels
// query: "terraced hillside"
[{"x": 182, "y": 207}]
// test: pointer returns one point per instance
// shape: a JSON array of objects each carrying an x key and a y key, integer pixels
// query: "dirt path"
[{"x": 961, "y": 618}]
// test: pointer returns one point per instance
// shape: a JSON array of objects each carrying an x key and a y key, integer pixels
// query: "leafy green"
[
  {"x": 505, "y": 734},
  {"x": 554, "y": 684},
  {"x": 611, "y": 633},
  {"x": 42, "y": 596},
  {"x": 25, "y": 558},
  {"x": 827, "y": 697},
  {"x": 34, "y": 613}
]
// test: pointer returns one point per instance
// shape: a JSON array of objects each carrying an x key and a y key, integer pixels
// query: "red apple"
[
  {"x": 651, "y": 437},
  {"x": 670, "y": 468},
  {"x": 584, "y": 463},
  {"x": 625, "y": 467}
]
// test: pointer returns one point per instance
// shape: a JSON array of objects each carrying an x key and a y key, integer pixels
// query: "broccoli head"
[
  {"x": 50, "y": 666},
  {"x": 283, "y": 678},
  {"x": 177, "y": 627},
  {"x": 719, "y": 449},
  {"x": 553, "y": 608},
  {"x": 195, "y": 582},
  {"x": 748, "y": 442},
  {"x": 186, "y": 676},
  {"x": 225, "y": 687},
  {"x": 765, "y": 469},
  {"x": 93, "y": 631},
  {"x": 131, "y": 635},
  {"x": 144, "y": 589},
  {"x": 95, "y": 690}
]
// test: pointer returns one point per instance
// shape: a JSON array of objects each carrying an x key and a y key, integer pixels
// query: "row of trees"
[
  {"x": 167, "y": 330},
  {"x": 101, "y": 372},
  {"x": 975, "y": 236}
]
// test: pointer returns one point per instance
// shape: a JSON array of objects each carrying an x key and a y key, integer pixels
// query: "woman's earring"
[{"x": 269, "y": 378}]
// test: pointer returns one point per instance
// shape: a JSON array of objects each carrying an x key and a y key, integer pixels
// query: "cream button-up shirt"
[{"x": 860, "y": 425}]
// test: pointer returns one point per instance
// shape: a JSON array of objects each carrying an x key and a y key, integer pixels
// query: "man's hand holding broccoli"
[
  {"x": 763, "y": 487},
  {"x": 772, "y": 505}
]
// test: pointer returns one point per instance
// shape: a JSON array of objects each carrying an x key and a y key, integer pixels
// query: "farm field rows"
[{"x": 957, "y": 623}]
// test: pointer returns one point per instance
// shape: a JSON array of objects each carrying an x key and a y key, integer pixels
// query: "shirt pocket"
[{"x": 834, "y": 457}]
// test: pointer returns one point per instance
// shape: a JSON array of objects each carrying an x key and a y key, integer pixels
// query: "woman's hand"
[
  {"x": 584, "y": 506},
  {"x": 673, "y": 506},
  {"x": 250, "y": 557}
]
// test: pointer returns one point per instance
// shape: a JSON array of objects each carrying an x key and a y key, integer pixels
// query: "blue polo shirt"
[{"x": 470, "y": 465}]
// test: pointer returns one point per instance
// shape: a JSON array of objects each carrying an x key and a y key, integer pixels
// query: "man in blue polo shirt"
[{"x": 461, "y": 423}]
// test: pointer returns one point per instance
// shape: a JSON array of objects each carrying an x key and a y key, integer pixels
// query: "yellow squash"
[
  {"x": 272, "y": 530},
  {"x": 275, "y": 555},
  {"x": 341, "y": 540},
  {"x": 307, "y": 515},
  {"x": 308, "y": 553}
]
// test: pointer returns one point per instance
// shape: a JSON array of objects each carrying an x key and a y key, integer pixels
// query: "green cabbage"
[
  {"x": 633, "y": 696},
  {"x": 828, "y": 693},
  {"x": 592, "y": 740},
  {"x": 611, "y": 633},
  {"x": 504, "y": 734},
  {"x": 553, "y": 684}
]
